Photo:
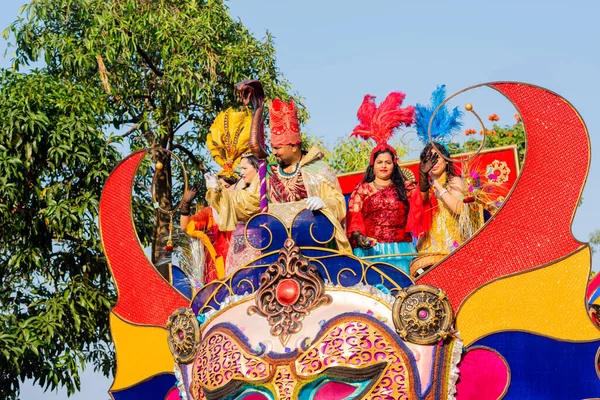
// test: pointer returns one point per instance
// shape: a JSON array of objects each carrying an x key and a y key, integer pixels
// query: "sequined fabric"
[
  {"x": 443, "y": 236},
  {"x": 285, "y": 189},
  {"x": 555, "y": 132},
  {"x": 240, "y": 253},
  {"x": 378, "y": 214},
  {"x": 448, "y": 230}
]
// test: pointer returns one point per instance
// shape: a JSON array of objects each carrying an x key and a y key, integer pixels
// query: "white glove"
[
  {"x": 314, "y": 203},
  {"x": 211, "y": 180}
]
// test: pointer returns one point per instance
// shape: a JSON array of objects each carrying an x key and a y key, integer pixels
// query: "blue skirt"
[{"x": 390, "y": 253}]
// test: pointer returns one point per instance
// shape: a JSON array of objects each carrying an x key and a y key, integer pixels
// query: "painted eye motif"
[
  {"x": 335, "y": 391},
  {"x": 250, "y": 392},
  {"x": 333, "y": 388},
  {"x": 252, "y": 396}
]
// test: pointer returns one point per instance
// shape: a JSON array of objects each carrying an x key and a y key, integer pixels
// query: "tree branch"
[
  {"x": 148, "y": 61},
  {"x": 129, "y": 132},
  {"x": 191, "y": 156},
  {"x": 181, "y": 124}
]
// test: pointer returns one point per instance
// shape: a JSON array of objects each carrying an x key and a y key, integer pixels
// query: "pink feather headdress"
[{"x": 378, "y": 123}]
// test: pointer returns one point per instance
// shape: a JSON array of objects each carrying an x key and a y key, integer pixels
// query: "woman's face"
[
  {"x": 248, "y": 171},
  {"x": 440, "y": 166},
  {"x": 383, "y": 166}
]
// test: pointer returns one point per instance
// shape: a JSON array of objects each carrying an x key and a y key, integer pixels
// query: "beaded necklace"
[
  {"x": 290, "y": 174},
  {"x": 378, "y": 187}
]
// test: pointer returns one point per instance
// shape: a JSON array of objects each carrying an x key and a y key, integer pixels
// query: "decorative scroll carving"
[
  {"x": 289, "y": 290},
  {"x": 183, "y": 335},
  {"x": 422, "y": 314}
]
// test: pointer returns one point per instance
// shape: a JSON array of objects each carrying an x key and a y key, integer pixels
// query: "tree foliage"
[
  {"x": 595, "y": 240},
  {"x": 56, "y": 291},
  {"x": 348, "y": 155},
  {"x": 168, "y": 67},
  {"x": 496, "y": 137},
  {"x": 156, "y": 71}
]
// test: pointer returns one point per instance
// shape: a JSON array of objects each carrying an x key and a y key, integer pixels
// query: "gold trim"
[
  {"x": 348, "y": 269},
  {"x": 246, "y": 280},
  {"x": 220, "y": 311},
  {"x": 185, "y": 180},
  {"x": 263, "y": 226}
]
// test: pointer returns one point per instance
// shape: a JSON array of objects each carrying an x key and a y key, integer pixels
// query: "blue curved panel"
[
  {"x": 543, "y": 368},
  {"x": 155, "y": 388},
  {"x": 181, "y": 282}
]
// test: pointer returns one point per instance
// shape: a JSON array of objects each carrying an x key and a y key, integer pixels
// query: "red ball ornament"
[{"x": 287, "y": 292}]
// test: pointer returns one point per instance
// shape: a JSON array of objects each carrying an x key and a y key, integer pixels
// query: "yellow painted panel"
[
  {"x": 142, "y": 351},
  {"x": 549, "y": 301}
]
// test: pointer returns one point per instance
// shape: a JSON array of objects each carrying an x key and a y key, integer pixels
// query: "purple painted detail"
[{"x": 262, "y": 174}]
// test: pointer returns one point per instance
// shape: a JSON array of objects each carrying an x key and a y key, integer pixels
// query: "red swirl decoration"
[
  {"x": 145, "y": 297},
  {"x": 533, "y": 227}
]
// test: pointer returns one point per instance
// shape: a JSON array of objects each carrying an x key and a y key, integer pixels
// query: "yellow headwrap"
[{"x": 228, "y": 139}]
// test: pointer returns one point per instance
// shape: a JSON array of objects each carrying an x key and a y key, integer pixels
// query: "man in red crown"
[{"x": 301, "y": 180}]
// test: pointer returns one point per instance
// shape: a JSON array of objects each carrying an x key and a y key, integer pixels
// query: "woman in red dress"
[{"x": 385, "y": 208}]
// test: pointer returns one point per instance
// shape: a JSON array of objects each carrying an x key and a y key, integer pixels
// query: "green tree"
[
  {"x": 157, "y": 71},
  {"x": 55, "y": 287},
  {"x": 348, "y": 155},
  {"x": 496, "y": 137},
  {"x": 595, "y": 240},
  {"x": 168, "y": 67}
]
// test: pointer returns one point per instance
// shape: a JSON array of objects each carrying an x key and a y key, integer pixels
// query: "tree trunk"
[{"x": 163, "y": 189}]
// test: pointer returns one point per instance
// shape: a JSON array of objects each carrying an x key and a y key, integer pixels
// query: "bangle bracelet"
[{"x": 443, "y": 192}]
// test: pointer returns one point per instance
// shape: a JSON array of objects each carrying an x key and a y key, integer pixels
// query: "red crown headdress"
[
  {"x": 378, "y": 123},
  {"x": 283, "y": 123}
]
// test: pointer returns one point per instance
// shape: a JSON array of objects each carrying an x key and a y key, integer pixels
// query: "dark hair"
[
  {"x": 251, "y": 159},
  {"x": 450, "y": 168},
  {"x": 232, "y": 180},
  {"x": 397, "y": 177}
]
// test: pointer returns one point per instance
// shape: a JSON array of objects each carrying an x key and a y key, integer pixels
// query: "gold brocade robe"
[
  {"x": 448, "y": 229},
  {"x": 320, "y": 181},
  {"x": 235, "y": 206}
]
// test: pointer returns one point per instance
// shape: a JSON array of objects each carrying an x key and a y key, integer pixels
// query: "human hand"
[
  {"x": 211, "y": 180},
  {"x": 428, "y": 163},
  {"x": 314, "y": 203},
  {"x": 361, "y": 240},
  {"x": 189, "y": 196}
]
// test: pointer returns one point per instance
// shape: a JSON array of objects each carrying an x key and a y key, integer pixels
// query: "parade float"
[{"x": 503, "y": 316}]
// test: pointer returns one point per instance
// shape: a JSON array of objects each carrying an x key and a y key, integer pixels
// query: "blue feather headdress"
[{"x": 444, "y": 125}]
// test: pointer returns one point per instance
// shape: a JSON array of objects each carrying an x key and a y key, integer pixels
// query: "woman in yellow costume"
[
  {"x": 231, "y": 207},
  {"x": 449, "y": 219}
]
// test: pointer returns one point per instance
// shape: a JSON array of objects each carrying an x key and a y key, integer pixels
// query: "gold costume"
[
  {"x": 228, "y": 139},
  {"x": 319, "y": 180},
  {"x": 235, "y": 206},
  {"x": 448, "y": 229}
]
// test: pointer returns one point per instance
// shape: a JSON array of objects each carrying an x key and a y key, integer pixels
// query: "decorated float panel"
[{"x": 503, "y": 316}]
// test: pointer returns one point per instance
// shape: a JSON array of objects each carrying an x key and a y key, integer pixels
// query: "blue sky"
[{"x": 334, "y": 52}]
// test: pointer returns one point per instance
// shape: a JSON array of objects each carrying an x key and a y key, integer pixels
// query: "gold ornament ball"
[
  {"x": 468, "y": 106},
  {"x": 159, "y": 165}
]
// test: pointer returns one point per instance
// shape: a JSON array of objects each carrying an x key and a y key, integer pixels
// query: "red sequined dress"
[{"x": 379, "y": 214}]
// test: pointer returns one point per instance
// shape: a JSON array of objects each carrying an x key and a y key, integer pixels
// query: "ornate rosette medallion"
[
  {"x": 289, "y": 290},
  {"x": 183, "y": 334},
  {"x": 422, "y": 314}
]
